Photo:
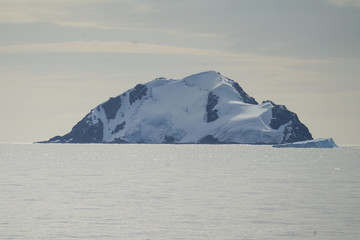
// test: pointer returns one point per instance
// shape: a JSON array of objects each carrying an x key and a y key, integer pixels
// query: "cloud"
[
  {"x": 122, "y": 47},
  {"x": 345, "y": 3},
  {"x": 19, "y": 11},
  {"x": 30, "y": 11},
  {"x": 83, "y": 24},
  {"x": 94, "y": 14},
  {"x": 108, "y": 47},
  {"x": 243, "y": 62},
  {"x": 172, "y": 32}
]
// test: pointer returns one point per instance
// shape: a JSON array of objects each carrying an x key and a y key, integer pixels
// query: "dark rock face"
[
  {"x": 295, "y": 131},
  {"x": 83, "y": 132},
  {"x": 211, "y": 113},
  {"x": 119, "y": 140},
  {"x": 111, "y": 107},
  {"x": 244, "y": 96},
  {"x": 209, "y": 139},
  {"x": 139, "y": 91},
  {"x": 281, "y": 115},
  {"x": 169, "y": 139},
  {"x": 119, "y": 127}
]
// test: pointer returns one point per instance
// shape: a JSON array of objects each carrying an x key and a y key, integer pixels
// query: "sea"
[{"x": 220, "y": 192}]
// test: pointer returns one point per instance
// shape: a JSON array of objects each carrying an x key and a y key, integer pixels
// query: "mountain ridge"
[{"x": 205, "y": 108}]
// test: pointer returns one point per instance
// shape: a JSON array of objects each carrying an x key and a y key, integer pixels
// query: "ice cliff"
[{"x": 317, "y": 143}]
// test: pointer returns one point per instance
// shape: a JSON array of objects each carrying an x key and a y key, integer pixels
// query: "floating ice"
[{"x": 316, "y": 143}]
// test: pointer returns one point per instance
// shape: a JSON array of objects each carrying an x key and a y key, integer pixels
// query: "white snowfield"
[
  {"x": 177, "y": 109},
  {"x": 316, "y": 143}
]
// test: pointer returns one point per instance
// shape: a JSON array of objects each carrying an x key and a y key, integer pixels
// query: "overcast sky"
[{"x": 61, "y": 58}]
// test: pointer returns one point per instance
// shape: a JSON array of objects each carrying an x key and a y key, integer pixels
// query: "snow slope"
[{"x": 202, "y": 108}]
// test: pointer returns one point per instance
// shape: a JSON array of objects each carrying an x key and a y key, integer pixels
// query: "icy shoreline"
[{"x": 316, "y": 143}]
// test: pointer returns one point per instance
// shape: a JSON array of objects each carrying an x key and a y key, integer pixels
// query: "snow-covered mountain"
[{"x": 202, "y": 108}]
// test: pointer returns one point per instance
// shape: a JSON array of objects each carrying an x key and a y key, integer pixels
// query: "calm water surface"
[{"x": 178, "y": 192}]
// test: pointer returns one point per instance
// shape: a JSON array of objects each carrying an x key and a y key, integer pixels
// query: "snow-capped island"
[{"x": 204, "y": 108}]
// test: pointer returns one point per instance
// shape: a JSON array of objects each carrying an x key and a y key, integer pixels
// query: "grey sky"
[{"x": 60, "y": 58}]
